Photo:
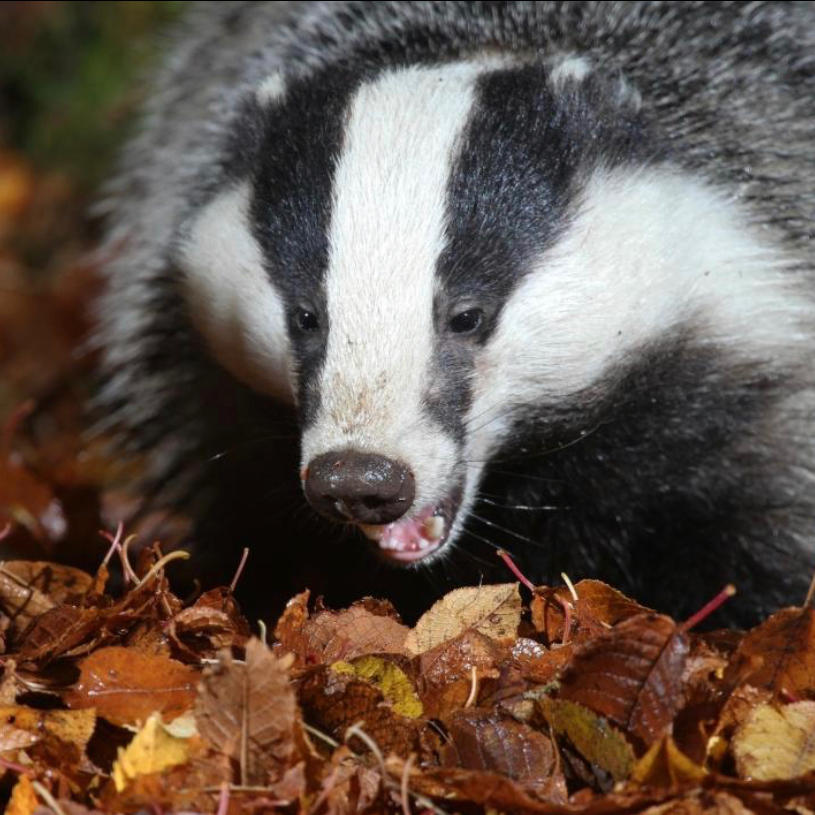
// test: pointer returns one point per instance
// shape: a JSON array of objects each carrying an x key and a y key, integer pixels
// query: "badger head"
[{"x": 418, "y": 256}]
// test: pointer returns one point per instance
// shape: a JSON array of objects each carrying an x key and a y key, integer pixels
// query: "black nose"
[{"x": 351, "y": 486}]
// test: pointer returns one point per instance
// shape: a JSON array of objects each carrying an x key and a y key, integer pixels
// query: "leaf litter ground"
[{"x": 568, "y": 699}]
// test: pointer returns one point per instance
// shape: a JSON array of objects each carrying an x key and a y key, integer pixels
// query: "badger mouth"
[{"x": 416, "y": 537}]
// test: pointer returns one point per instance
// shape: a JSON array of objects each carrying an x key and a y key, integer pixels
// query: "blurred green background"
[{"x": 70, "y": 79}]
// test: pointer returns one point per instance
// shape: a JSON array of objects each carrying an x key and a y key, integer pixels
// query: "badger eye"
[
  {"x": 306, "y": 320},
  {"x": 466, "y": 322}
]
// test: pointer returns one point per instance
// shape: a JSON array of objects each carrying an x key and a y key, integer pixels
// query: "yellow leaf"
[
  {"x": 21, "y": 726},
  {"x": 776, "y": 743},
  {"x": 665, "y": 765},
  {"x": 593, "y": 737},
  {"x": 23, "y": 799},
  {"x": 494, "y": 611},
  {"x": 153, "y": 749},
  {"x": 389, "y": 678}
]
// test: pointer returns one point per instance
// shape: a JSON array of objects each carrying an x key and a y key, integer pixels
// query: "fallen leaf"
[
  {"x": 332, "y": 636},
  {"x": 445, "y": 673},
  {"x": 494, "y": 611},
  {"x": 631, "y": 674},
  {"x": 776, "y": 742},
  {"x": 485, "y": 740},
  {"x": 249, "y": 712},
  {"x": 152, "y": 750},
  {"x": 73, "y": 727},
  {"x": 665, "y": 765},
  {"x": 126, "y": 686},
  {"x": 600, "y": 743},
  {"x": 396, "y": 688},
  {"x": 334, "y": 701},
  {"x": 780, "y": 654},
  {"x": 23, "y": 799},
  {"x": 598, "y": 607}
]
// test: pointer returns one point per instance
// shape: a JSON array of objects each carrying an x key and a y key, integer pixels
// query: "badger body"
[{"x": 536, "y": 276}]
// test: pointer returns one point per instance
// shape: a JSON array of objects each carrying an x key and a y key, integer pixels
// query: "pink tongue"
[{"x": 408, "y": 539}]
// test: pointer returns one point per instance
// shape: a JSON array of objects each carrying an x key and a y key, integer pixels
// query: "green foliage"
[{"x": 69, "y": 78}]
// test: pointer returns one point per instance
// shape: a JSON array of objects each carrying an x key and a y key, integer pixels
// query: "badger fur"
[{"x": 476, "y": 274}]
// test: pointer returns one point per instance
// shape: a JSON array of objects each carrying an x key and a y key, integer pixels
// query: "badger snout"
[{"x": 366, "y": 488}]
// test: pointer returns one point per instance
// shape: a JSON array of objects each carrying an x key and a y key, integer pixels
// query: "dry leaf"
[
  {"x": 126, "y": 686},
  {"x": 494, "y": 611},
  {"x": 23, "y": 799},
  {"x": 331, "y": 636},
  {"x": 152, "y": 750},
  {"x": 780, "y": 654},
  {"x": 598, "y": 607},
  {"x": 776, "y": 742},
  {"x": 665, "y": 765},
  {"x": 249, "y": 712},
  {"x": 74, "y": 727}
]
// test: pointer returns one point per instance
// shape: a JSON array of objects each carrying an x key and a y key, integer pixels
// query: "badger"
[{"x": 398, "y": 284}]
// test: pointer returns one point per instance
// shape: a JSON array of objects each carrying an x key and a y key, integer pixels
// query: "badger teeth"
[
  {"x": 372, "y": 531},
  {"x": 434, "y": 527}
]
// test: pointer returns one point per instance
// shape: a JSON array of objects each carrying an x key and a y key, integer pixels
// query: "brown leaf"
[
  {"x": 23, "y": 799},
  {"x": 126, "y": 686},
  {"x": 776, "y": 742},
  {"x": 632, "y": 675},
  {"x": 330, "y": 636},
  {"x": 19, "y": 599},
  {"x": 484, "y": 789},
  {"x": 780, "y": 654},
  {"x": 334, "y": 701},
  {"x": 494, "y": 611},
  {"x": 249, "y": 712},
  {"x": 446, "y": 671},
  {"x": 58, "y": 583},
  {"x": 20, "y": 724},
  {"x": 211, "y": 624},
  {"x": 598, "y": 607},
  {"x": 484, "y": 740}
]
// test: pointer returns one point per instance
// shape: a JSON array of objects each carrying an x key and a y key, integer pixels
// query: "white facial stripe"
[
  {"x": 231, "y": 300},
  {"x": 387, "y": 231},
  {"x": 645, "y": 252}
]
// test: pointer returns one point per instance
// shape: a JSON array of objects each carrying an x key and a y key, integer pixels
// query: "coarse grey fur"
[{"x": 729, "y": 86}]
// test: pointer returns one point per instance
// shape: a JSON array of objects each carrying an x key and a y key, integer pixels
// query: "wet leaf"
[
  {"x": 485, "y": 740},
  {"x": 776, "y": 742},
  {"x": 396, "y": 688},
  {"x": 631, "y": 674},
  {"x": 335, "y": 701},
  {"x": 126, "y": 686},
  {"x": 23, "y": 726},
  {"x": 494, "y": 611},
  {"x": 592, "y": 736}
]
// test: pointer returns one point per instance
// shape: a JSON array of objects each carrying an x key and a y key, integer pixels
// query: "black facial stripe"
[
  {"x": 291, "y": 208},
  {"x": 519, "y": 166}
]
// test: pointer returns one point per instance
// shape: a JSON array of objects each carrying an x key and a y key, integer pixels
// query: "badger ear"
[
  {"x": 569, "y": 72},
  {"x": 271, "y": 90},
  {"x": 568, "y": 69}
]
